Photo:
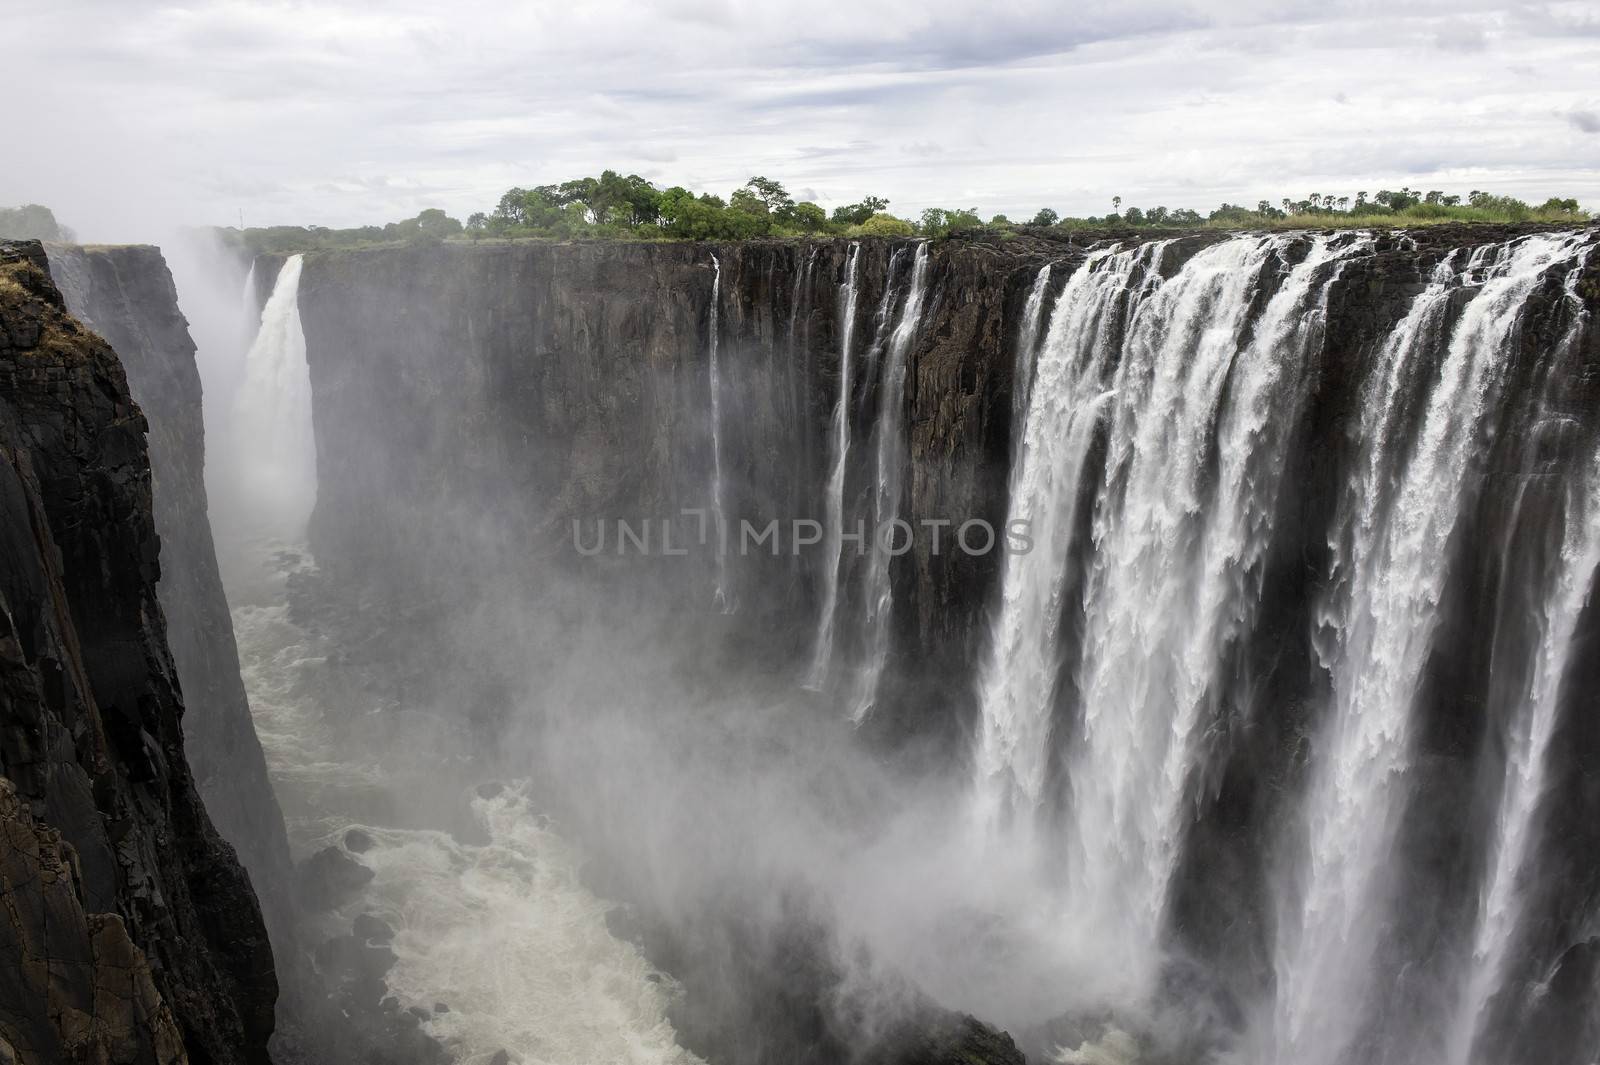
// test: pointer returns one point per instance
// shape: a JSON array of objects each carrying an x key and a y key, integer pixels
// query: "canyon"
[{"x": 1278, "y": 744}]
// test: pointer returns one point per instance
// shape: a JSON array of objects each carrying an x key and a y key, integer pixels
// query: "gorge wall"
[
  {"x": 471, "y": 403},
  {"x": 126, "y": 294},
  {"x": 135, "y": 931}
]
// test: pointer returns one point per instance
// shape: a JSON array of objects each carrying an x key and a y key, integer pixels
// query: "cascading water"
[
  {"x": 882, "y": 325},
  {"x": 1532, "y": 729},
  {"x": 1390, "y": 554},
  {"x": 1069, "y": 395},
  {"x": 1176, "y": 554},
  {"x": 273, "y": 446},
  {"x": 1028, "y": 348},
  {"x": 891, "y": 459},
  {"x": 247, "y": 298},
  {"x": 722, "y": 596},
  {"x": 833, "y": 521}
]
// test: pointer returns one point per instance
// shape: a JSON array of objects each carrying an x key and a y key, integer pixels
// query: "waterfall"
[
  {"x": 1028, "y": 348},
  {"x": 719, "y": 519},
  {"x": 833, "y": 524},
  {"x": 247, "y": 301},
  {"x": 881, "y": 325},
  {"x": 1531, "y": 732},
  {"x": 274, "y": 448},
  {"x": 1390, "y": 552},
  {"x": 1065, "y": 405},
  {"x": 1177, "y": 550},
  {"x": 891, "y": 460}
]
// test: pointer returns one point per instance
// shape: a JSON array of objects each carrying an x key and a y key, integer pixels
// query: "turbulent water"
[{"x": 502, "y": 932}]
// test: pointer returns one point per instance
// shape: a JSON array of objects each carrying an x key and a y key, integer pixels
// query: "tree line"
[{"x": 614, "y": 206}]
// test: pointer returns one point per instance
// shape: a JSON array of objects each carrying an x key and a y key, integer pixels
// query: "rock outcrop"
[{"x": 106, "y": 833}]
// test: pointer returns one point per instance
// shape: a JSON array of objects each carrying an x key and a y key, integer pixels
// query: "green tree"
[
  {"x": 779, "y": 203},
  {"x": 807, "y": 217},
  {"x": 884, "y": 225},
  {"x": 856, "y": 214},
  {"x": 1046, "y": 217}
]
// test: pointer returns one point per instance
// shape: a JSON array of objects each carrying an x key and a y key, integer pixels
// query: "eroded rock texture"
[{"x": 90, "y": 718}]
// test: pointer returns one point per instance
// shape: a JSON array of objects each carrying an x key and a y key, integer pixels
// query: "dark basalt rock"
[
  {"x": 357, "y": 842},
  {"x": 126, "y": 294},
  {"x": 371, "y": 929},
  {"x": 330, "y": 878},
  {"x": 350, "y": 960},
  {"x": 90, "y": 733}
]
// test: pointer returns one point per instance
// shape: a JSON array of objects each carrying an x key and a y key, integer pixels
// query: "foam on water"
[{"x": 504, "y": 933}]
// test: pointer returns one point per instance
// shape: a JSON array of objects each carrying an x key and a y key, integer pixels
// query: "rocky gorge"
[{"x": 830, "y": 801}]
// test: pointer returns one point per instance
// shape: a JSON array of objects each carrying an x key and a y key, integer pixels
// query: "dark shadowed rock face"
[
  {"x": 126, "y": 294},
  {"x": 90, "y": 717}
]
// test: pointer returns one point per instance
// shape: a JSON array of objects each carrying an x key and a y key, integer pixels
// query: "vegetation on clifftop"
[{"x": 614, "y": 207}]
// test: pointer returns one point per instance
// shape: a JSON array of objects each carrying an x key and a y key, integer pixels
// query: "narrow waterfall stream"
[
  {"x": 891, "y": 460},
  {"x": 274, "y": 459},
  {"x": 723, "y": 595},
  {"x": 839, "y": 442}
]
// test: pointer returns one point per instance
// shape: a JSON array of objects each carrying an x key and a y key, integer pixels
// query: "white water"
[
  {"x": 833, "y": 521},
  {"x": 881, "y": 327},
  {"x": 1068, "y": 400},
  {"x": 247, "y": 298},
  {"x": 1500, "y": 906},
  {"x": 1390, "y": 571},
  {"x": 1028, "y": 348},
  {"x": 504, "y": 933},
  {"x": 1176, "y": 553},
  {"x": 891, "y": 461},
  {"x": 273, "y": 449},
  {"x": 719, "y": 518}
]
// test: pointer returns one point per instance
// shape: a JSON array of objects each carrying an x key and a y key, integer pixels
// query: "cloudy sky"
[{"x": 128, "y": 115}]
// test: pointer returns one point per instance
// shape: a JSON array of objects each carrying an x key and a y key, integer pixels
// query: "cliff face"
[
  {"x": 511, "y": 390},
  {"x": 126, "y": 294},
  {"x": 118, "y": 887}
]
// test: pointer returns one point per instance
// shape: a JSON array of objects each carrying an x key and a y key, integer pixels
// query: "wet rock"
[
  {"x": 350, "y": 960},
  {"x": 623, "y": 923},
  {"x": 329, "y": 878},
  {"x": 357, "y": 841},
  {"x": 370, "y": 929},
  {"x": 501, "y": 1057},
  {"x": 492, "y": 790},
  {"x": 440, "y": 1007}
]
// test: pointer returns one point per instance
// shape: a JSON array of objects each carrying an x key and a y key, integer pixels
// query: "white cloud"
[{"x": 341, "y": 113}]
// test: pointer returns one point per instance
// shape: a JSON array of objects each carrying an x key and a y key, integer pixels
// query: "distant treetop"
[
  {"x": 32, "y": 221},
  {"x": 616, "y": 207}
]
